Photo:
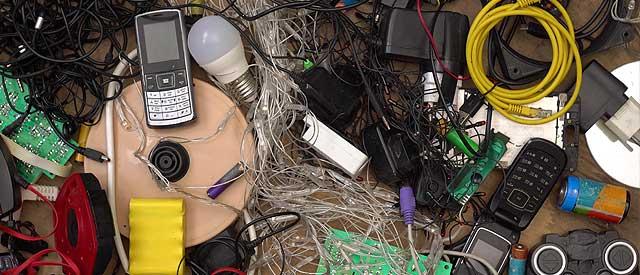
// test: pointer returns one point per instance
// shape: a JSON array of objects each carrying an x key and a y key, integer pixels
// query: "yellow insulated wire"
[{"x": 512, "y": 103}]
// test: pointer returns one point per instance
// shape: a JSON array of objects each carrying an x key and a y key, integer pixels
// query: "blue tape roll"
[{"x": 571, "y": 194}]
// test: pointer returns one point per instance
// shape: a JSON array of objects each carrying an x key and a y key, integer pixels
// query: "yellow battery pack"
[{"x": 157, "y": 236}]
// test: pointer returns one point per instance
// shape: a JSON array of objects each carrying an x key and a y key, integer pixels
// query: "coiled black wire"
[{"x": 66, "y": 61}]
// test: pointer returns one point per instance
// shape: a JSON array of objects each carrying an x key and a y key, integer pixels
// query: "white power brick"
[
  {"x": 333, "y": 147},
  {"x": 625, "y": 124},
  {"x": 49, "y": 192}
]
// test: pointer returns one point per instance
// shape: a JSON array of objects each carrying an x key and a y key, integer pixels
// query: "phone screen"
[
  {"x": 161, "y": 42},
  {"x": 488, "y": 252}
]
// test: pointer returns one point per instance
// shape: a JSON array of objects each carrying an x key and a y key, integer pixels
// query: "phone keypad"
[
  {"x": 170, "y": 104},
  {"x": 167, "y": 97},
  {"x": 532, "y": 176}
]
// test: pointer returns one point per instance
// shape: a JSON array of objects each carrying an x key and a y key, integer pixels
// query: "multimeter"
[{"x": 166, "y": 69}]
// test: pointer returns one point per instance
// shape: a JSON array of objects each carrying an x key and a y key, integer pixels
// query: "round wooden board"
[{"x": 210, "y": 160}]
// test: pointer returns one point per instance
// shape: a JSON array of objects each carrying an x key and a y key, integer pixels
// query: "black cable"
[
  {"x": 452, "y": 119},
  {"x": 242, "y": 249},
  {"x": 265, "y": 218},
  {"x": 315, "y": 5},
  {"x": 599, "y": 19},
  {"x": 52, "y": 47},
  {"x": 180, "y": 265}
]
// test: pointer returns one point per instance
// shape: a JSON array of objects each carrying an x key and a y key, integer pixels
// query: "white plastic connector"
[
  {"x": 50, "y": 192},
  {"x": 333, "y": 147},
  {"x": 39, "y": 22},
  {"x": 431, "y": 94},
  {"x": 625, "y": 123}
]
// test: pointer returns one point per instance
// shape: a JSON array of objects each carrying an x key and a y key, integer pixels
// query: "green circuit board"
[
  {"x": 376, "y": 264},
  {"x": 35, "y": 134}
]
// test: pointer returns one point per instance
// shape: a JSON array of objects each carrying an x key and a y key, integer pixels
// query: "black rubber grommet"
[{"x": 172, "y": 159}]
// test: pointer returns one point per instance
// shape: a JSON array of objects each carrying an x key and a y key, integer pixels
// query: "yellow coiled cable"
[{"x": 512, "y": 103}]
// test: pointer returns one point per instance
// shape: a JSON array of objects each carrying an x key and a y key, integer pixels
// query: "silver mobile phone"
[{"x": 166, "y": 71}]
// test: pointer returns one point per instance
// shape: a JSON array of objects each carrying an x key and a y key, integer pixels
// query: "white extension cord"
[{"x": 111, "y": 165}]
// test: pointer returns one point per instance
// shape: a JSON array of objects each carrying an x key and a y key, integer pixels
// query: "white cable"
[
  {"x": 471, "y": 256},
  {"x": 111, "y": 165},
  {"x": 252, "y": 237},
  {"x": 454, "y": 236},
  {"x": 631, "y": 7},
  {"x": 412, "y": 247}
]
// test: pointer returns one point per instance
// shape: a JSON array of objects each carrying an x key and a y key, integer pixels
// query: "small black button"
[
  {"x": 166, "y": 81},
  {"x": 529, "y": 183},
  {"x": 181, "y": 78},
  {"x": 531, "y": 206},
  {"x": 150, "y": 83},
  {"x": 518, "y": 198},
  {"x": 544, "y": 182}
]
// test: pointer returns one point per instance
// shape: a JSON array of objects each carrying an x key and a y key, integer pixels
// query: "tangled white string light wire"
[{"x": 288, "y": 176}]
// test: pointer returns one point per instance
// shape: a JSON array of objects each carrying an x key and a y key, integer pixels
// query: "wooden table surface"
[{"x": 550, "y": 219}]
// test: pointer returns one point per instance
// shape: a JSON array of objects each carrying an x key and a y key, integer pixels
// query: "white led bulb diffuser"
[{"x": 217, "y": 47}]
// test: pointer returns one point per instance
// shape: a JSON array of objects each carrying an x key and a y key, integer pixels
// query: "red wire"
[
  {"x": 432, "y": 41},
  {"x": 33, "y": 261},
  {"x": 67, "y": 264},
  {"x": 22, "y": 236},
  {"x": 228, "y": 269}
]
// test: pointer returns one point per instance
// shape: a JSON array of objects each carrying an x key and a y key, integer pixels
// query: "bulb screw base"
[{"x": 244, "y": 89}]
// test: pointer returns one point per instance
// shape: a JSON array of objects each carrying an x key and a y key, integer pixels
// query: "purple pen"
[{"x": 225, "y": 181}]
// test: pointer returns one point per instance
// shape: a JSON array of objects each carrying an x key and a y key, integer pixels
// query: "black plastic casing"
[
  {"x": 519, "y": 219},
  {"x": 404, "y": 39},
  {"x": 10, "y": 198},
  {"x": 585, "y": 252},
  {"x": 489, "y": 233},
  {"x": 601, "y": 95},
  {"x": 333, "y": 101},
  {"x": 393, "y": 156},
  {"x": 431, "y": 189}
]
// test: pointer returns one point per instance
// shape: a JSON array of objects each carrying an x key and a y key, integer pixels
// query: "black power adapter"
[
  {"x": 601, "y": 95},
  {"x": 404, "y": 39},
  {"x": 394, "y": 157},
  {"x": 431, "y": 189},
  {"x": 333, "y": 101}
]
